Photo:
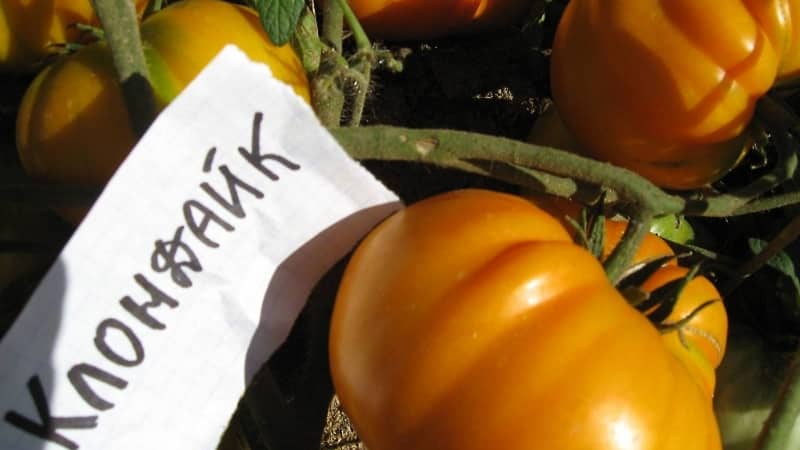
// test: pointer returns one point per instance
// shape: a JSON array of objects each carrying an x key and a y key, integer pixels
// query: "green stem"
[
  {"x": 362, "y": 41},
  {"x": 360, "y": 76},
  {"x": 738, "y": 202},
  {"x": 121, "y": 27},
  {"x": 443, "y": 146},
  {"x": 768, "y": 203},
  {"x": 621, "y": 256},
  {"x": 332, "y": 24},
  {"x": 780, "y": 425},
  {"x": 786, "y": 236}
]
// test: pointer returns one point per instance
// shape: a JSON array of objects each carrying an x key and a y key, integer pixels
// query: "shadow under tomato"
[{"x": 286, "y": 402}]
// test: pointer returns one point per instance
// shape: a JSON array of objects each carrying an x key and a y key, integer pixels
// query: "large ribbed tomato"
[
  {"x": 668, "y": 88},
  {"x": 696, "y": 334},
  {"x": 471, "y": 321},
  {"x": 29, "y": 29},
  {"x": 425, "y": 19},
  {"x": 72, "y": 125}
]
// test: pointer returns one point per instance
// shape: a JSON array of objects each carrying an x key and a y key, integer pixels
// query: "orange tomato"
[
  {"x": 697, "y": 338},
  {"x": 424, "y": 19},
  {"x": 667, "y": 89},
  {"x": 470, "y": 320}
]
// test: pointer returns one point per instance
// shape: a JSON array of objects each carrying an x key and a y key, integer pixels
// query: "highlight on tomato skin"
[
  {"x": 425, "y": 19},
  {"x": 664, "y": 89},
  {"x": 72, "y": 124},
  {"x": 473, "y": 310}
]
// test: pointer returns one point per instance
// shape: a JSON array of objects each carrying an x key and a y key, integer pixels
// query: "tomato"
[
  {"x": 673, "y": 228},
  {"x": 700, "y": 342},
  {"x": 29, "y": 29},
  {"x": 72, "y": 125},
  {"x": 425, "y": 19},
  {"x": 470, "y": 320},
  {"x": 666, "y": 88}
]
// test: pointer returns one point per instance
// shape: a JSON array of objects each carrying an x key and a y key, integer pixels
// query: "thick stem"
[
  {"x": 121, "y": 27},
  {"x": 442, "y": 146},
  {"x": 780, "y": 425},
  {"x": 621, "y": 256},
  {"x": 332, "y": 24}
]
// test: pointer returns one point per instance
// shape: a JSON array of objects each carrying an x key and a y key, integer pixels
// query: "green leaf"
[
  {"x": 780, "y": 262},
  {"x": 279, "y": 18}
]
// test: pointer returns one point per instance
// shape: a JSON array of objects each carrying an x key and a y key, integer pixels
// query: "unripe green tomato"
[
  {"x": 673, "y": 228},
  {"x": 72, "y": 125},
  {"x": 29, "y": 29}
]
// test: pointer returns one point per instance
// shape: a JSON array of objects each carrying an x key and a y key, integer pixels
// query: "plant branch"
[
  {"x": 121, "y": 27},
  {"x": 362, "y": 41},
  {"x": 620, "y": 257},
  {"x": 780, "y": 425},
  {"x": 332, "y": 24},
  {"x": 443, "y": 146},
  {"x": 786, "y": 236}
]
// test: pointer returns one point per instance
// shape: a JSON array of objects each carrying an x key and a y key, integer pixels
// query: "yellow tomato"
[
  {"x": 29, "y": 29},
  {"x": 425, "y": 19},
  {"x": 471, "y": 321},
  {"x": 72, "y": 125},
  {"x": 668, "y": 88}
]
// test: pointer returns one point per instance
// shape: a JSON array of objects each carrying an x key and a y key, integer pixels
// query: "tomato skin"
[
  {"x": 30, "y": 28},
  {"x": 662, "y": 88},
  {"x": 425, "y": 19},
  {"x": 471, "y": 321},
  {"x": 72, "y": 125},
  {"x": 704, "y": 336}
]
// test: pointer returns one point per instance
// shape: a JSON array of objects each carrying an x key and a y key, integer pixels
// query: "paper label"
[{"x": 188, "y": 273}]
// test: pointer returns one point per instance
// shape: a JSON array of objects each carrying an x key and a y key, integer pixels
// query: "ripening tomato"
[
  {"x": 29, "y": 29},
  {"x": 425, "y": 19},
  {"x": 668, "y": 89},
  {"x": 72, "y": 125},
  {"x": 471, "y": 321}
]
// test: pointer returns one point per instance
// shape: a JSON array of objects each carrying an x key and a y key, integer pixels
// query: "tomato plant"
[
  {"x": 473, "y": 310},
  {"x": 29, "y": 30},
  {"x": 72, "y": 125},
  {"x": 423, "y": 19},
  {"x": 662, "y": 89}
]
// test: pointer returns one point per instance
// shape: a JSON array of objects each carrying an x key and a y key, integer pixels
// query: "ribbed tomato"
[
  {"x": 694, "y": 332},
  {"x": 668, "y": 88},
  {"x": 471, "y": 321}
]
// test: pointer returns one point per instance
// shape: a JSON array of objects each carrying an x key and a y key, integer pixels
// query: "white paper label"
[{"x": 188, "y": 273}]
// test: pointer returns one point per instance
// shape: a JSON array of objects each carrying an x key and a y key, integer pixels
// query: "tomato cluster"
[
  {"x": 475, "y": 307},
  {"x": 667, "y": 88},
  {"x": 72, "y": 125}
]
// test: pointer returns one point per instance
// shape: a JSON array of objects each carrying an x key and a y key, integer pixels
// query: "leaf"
[
  {"x": 279, "y": 18},
  {"x": 780, "y": 262}
]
